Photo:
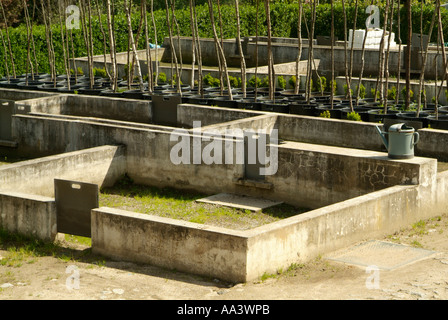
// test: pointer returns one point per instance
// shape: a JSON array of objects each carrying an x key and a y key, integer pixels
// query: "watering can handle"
[{"x": 416, "y": 138}]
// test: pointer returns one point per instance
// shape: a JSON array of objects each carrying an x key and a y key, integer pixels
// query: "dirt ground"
[{"x": 55, "y": 277}]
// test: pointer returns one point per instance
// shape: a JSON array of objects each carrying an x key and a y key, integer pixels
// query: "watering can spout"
[{"x": 383, "y": 137}]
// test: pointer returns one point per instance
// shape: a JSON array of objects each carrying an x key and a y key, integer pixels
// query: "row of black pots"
[{"x": 285, "y": 102}]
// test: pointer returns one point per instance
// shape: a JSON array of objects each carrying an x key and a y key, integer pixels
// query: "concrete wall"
[
  {"x": 168, "y": 243},
  {"x": 28, "y": 214},
  {"x": 19, "y": 95},
  {"x": 103, "y": 166},
  {"x": 93, "y": 106},
  {"x": 241, "y": 256},
  {"x": 284, "y": 50},
  {"x": 302, "y": 179}
]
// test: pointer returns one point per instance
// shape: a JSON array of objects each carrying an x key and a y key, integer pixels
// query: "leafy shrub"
[
  {"x": 403, "y": 93},
  {"x": 354, "y": 116},
  {"x": 362, "y": 91},
  {"x": 325, "y": 114},
  {"x": 265, "y": 82},
  {"x": 98, "y": 72},
  {"x": 392, "y": 93},
  {"x": 253, "y": 82},
  {"x": 321, "y": 87},
  {"x": 161, "y": 78},
  {"x": 234, "y": 83},
  {"x": 281, "y": 82},
  {"x": 292, "y": 81},
  {"x": 333, "y": 85}
]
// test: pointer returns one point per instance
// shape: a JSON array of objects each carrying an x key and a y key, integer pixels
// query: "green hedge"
[{"x": 284, "y": 24}]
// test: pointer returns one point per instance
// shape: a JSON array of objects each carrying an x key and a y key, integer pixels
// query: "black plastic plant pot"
[
  {"x": 49, "y": 87},
  {"x": 36, "y": 76},
  {"x": 322, "y": 99},
  {"x": 11, "y": 83},
  {"x": 30, "y": 85},
  {"x": 265, "y": 91},
  {"x": 412, "y": 116},
  {"x": 335, "y": 112},
  {"x": 133, "y": 94},
  {"x": 248, "y": 104},
  {"x": 198, "y": 99},
  {"x": 224, "y": 101},
  {"x": 362, "y": 111},
  {"x": 443, "y": 109},
  {"x": 378, "y": 115},
  {"x": 274, "y": 106},
  {"x": 303, "y": 109},
  {"x": 440, "y": 122},
  {"x": 63, "y": 77},
  {"x": 111, "y": 93},
  {"x": 95, "y": 91}
]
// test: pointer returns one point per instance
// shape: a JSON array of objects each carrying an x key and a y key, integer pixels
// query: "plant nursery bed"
[{"x": 182, "y": 205}]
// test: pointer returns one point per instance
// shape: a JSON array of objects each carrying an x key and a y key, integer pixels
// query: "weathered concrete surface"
[
  {"x": 19, "y": 95},
  {"x": 102, "y": 165},
  {"x": 168, "y": 243},
  {"x": 242, "y": 256},
  {"x": 28, "y": 214},
  {"x": 284, "y": 50},
  {"x": 433, "y": 143},
  {"x": 238, "y": 201},
  {"x": 93, "y": 106}
]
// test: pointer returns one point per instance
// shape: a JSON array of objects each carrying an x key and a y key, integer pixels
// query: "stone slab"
[
  {"x": 239, "y": 201},
  {"x": 381, "y": 254}
]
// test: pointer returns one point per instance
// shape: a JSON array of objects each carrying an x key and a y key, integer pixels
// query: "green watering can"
[{"x": 402, "y": 140}]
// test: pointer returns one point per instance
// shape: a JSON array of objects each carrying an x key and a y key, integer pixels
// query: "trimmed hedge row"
[{"x": 283, "y": 16}]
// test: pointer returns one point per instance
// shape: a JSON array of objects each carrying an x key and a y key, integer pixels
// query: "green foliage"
[
  {"x": 161, "y": 78},
  {"x": 234, "y": 82},
  {"x": 354, "y": 116},
  {"x": 292, "y": 81},
  {"x": 362, "y": 91},
  {"x": 79, "y": 71},
  {"x": 210, "y": 81},
  {"x": 281, "y": 82},
  {"x": 346, "y": 91},
  {"x": 374, "y": 92},
  {"x": 321, "y": 84},
  {"x": 325, "y": 114},
  {"x": 98, "y": 72},
  {"x": 284, "y": 15},
  {"x": 253, "y": 82},
  {"x": 403, "y": 93},
  {"x": 333, "y": 85},
  {"x": 392, "y": 93},
  {"x": 265, "y": 82}
]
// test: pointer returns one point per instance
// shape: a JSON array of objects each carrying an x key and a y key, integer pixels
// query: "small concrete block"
[{"x": 238, "y": 201}]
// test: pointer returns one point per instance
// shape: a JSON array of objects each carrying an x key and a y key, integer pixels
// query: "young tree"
[
  {"x": 408, "y": 54},
  {"x": 133, "y": 45},
  {"x": 5, "y": 20},
  {"x": 299, "y": 44},
  {"x": 425, "y": 55},
  {"x": 240, "y": 49},
  {"x": 271, "y": 73},
  {"x": 220, "y": 49},
  {"x": 113, "y": 53},
  {"x": 155, "y": 43}
]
